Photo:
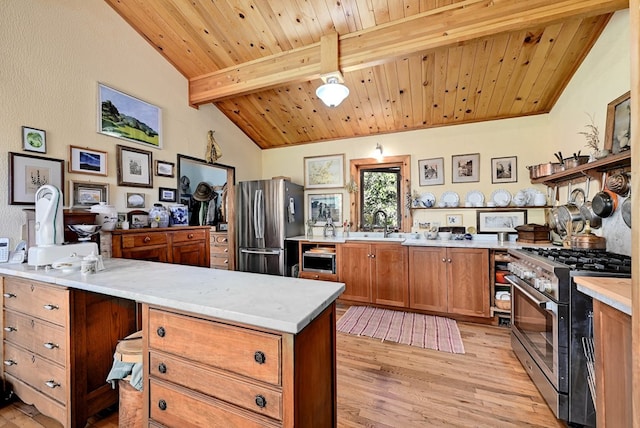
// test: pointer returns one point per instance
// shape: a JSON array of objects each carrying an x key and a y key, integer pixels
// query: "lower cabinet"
[
  {"x": 374, "y": 273},
  {"x": 449, "y": 280},
  {"x": 206, "y": 372},
  {"x": 219, "y": 250},
  {"x": 58, "y": 347}
]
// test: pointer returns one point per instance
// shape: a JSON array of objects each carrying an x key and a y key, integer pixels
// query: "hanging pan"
[
  {"x": 586, "y": 210},
  {"x": 604, "y": 203},
  {"x": 625, "y": 210}
]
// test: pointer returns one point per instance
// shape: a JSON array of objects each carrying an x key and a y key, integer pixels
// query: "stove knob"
[
  {"x": 546, "y": 286},
  {"x": 528, "y": 274}
]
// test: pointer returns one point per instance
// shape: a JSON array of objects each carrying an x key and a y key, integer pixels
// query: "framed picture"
[
  {"x": 138, "y": 219},
  {"x": 465, "y": 168},
  {"x": 34, "y": 140},
  {"x": 135, "y": 200},
  {"x": 504, "y": 170},
  {"x": 618, "y": 129},
  {"x": 134, "y": 167},
  {"x": 28, "y": 172},
  {"x": 85, "y": 195},
  {"x": 165, "y": 169},
  {"x": 129, "y": 118},
  {"x": 222, "y": 227},
  {"x": 166, "y": 194},
  {"x": 324, "y": 171},
  {"x": 87, "y": 161},
  {"x": 322, "y": 206},
  {"x": 495, "y": 221},
  {"x": 454, "y": 219},
  {"x": 431, "y": 171}
]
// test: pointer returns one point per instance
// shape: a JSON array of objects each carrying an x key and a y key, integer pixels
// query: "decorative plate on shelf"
[
  {"x": 475, "y": 197},
  {"x": 501, "y": 197},
  {"x": 530, "y": 193},
  {"x": 428, "y": 200},
  {"x": 451, "y": 199}
]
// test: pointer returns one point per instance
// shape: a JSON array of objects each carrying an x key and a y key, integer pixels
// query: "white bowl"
[{"x": 444, "y": 236}]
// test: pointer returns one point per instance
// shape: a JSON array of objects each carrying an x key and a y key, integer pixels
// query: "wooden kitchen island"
[{"x": 221, "y": 348}]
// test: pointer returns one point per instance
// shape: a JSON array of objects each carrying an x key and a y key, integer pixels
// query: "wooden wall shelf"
[{"x": 591, "y": 169}]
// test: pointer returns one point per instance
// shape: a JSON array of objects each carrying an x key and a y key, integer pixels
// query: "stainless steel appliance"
[
  {"x": 319, "y": 262},
  {"x": 550, "y": 318},
  {"x": 267, "y": 212}
]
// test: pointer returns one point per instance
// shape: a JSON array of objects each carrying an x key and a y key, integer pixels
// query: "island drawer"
[
  {"x": 239, "y": 350},
  {"x": 45, "y": 339},
  {"x": 144, "y": 239},
  {"x": 45, "y": 404},
  {"x": 49, "y": 303},
  {"x": 215, "y": 383},
  {"x": 189, "y": 235},
  {"x": 36, "y": 371},
  {"x": 174, "y": 406}
]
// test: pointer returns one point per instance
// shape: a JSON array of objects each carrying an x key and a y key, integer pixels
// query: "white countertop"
[{"x": 267, "y": 301}]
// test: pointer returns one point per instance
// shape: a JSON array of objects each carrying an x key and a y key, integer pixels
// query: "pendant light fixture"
[{"x": 332, "y": 92}]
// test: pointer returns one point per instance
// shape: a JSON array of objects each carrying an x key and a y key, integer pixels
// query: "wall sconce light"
[
  {"x": 332, "y": 93},
  {"x": 377, "y": 153}
]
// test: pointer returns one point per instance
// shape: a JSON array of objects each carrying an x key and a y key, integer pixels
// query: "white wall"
[{"x": 53, "y": 55}]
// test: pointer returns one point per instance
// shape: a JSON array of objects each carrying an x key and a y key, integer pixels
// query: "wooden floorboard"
[{"x": 383, "y": 384}]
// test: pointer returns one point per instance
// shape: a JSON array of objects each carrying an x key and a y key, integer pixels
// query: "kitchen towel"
[{"x": 424, "y": 331}]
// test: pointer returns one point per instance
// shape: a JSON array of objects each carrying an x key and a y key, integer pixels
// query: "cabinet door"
[
  {"x": 355, "y": 271},
  {"x": 428, "y": 278},
  {"x": 389, "y": 275},
  {"x": 153, "y": 254},
  {"x": 468, "y": 281},
  {"x": 191, "y": 253}
]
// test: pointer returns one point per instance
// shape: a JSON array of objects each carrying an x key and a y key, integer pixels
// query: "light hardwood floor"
[{"x": 391, "y": 385}]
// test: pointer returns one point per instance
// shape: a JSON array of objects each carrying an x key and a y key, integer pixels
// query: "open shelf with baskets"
[{"x": 500, "y": 287}]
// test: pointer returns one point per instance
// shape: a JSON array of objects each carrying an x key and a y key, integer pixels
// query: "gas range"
[{"x": 586, "y": 260}]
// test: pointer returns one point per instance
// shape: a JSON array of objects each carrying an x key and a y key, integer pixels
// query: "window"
[{"x": 381, "y": 185}]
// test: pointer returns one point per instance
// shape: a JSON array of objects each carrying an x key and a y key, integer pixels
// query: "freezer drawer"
[{"x": 262, "y": 260}]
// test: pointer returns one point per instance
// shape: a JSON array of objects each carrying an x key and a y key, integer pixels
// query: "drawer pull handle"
[
  {"x": 51, "y": 345},
  {"x": 10, "y": 329},
  {"x": 226, "y": 262},
  {"x": 259, "y": 357},
  {"x": 190, "y": 236},
  {"x": 449, "y": 260},
  {"x": 224, "y": 240},
  {"x": 146, "y": 240},
  {"x": 10, "y": 363},
  {"x": 51, "y": 307},
  {"x": 162, "y": 368},
  {"x": 444, "y": 260},
  {"x": 52, "y": 383},
  {"x": 226, "y": 250},
  {"x": 9, "y": 295},
  {"x": 261, "y": 401},
  {"x": 161, "y": 331},
  {"x": 162, "y": 405}
]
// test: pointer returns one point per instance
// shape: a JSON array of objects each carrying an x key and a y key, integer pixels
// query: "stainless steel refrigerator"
[{"x": 267, "y": 212}]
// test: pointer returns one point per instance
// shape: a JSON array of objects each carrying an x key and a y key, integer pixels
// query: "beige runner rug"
[{"x": 424, "y": 331}]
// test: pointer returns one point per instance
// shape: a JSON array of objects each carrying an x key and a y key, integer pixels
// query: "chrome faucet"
[
  {"x": 329, "y": 225},
  {"x": 384, "y": 217}
]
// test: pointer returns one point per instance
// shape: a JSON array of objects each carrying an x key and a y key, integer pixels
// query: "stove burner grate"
[{"x": 586, "y": 260}]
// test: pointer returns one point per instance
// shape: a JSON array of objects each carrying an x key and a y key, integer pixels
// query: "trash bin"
[{"x": 129, "y": 350}]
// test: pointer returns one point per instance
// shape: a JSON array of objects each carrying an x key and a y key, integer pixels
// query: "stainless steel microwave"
[{"x": 319, "y": 262}]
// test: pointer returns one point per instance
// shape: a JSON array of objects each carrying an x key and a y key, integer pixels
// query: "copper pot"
[
  {"x": 619, "y": 183},
  {"x": 588, "y": 241}
]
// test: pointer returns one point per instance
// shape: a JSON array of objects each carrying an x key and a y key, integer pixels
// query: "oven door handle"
[{"x": 547, "y": 305}]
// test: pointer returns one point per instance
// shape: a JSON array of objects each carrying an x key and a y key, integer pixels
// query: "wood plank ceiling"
[{"x": 409, "y": 64}]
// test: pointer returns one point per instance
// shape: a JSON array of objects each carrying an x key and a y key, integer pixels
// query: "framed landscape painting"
[
  {"x": 465, "y": 168},
  {"x": 126, "y": 117},
  {"x": 504, "y": 170},
  {"x": 431, "y": 171},
  {"x": 495, "y": 221},
  {"x": 324, "y": 171},
  {"x": 87, "y": 161}
]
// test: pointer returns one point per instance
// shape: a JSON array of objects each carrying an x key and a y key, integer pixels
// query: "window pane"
[{"x": 380, "y": 191}]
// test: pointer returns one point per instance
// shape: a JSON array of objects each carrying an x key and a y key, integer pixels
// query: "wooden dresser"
[
  {"x": 58, "y": 347},
  {"x": 185, "y": 245},
  {"x": 219, "y": 251},
  {"x": 206, "y": 372}
]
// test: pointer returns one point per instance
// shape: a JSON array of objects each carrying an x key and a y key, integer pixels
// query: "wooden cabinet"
[
  {"x": 498, "y": 266},
  {"x": 613, "y": 365},
  {"x": 58, "y": 347},
  {"x": 219, "y": 250},
  {"x": 449, "y": 280},
  {"x": 179, "y": 245},
  {"x": 202, "y": 371},
  {"x": 317, "y": 261},
  {"x": 374, "y": 273}
]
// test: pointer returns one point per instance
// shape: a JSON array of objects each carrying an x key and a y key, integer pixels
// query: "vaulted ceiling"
[{"x": 409, "y": 64}]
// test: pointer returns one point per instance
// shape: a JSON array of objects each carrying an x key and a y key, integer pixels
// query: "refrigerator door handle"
[
  {"x": 259, "y": 251},
  {"x": 258, "y": 214}
]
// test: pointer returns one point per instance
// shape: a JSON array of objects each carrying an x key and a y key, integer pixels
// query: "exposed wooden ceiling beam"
[{"x": 453, "y": 24}]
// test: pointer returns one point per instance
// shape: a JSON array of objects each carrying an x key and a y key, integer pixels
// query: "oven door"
[{"x": 539, "y": 323}]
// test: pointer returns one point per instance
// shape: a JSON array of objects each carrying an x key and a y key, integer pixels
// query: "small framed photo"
[
  {"x": 138, "y": 219},
  {"x": 222, "y": 227},
  {"x": 134, "y": 167},
  {"x": 431, "y": 171},
  {"x": 85, "y": 195},
  {"x": 324, "y": 171},
  {"x": 34, "y": 140},
  {"x": 87, "y": 161},
  {"x": 465, "y": 168},
  {"x": 165, "y": 169},
  {"x": 504, "y": 170},
  {"x": 454, "y": 219},
  {"x": 618, "y": 128},
  {"x": 323, "y": 206},
  {"x": 495, "y": 221},
  {"x": 27, "y": 173},
  {"x": 166, "y": 194},
  {"x": 135, "y": 200}
]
